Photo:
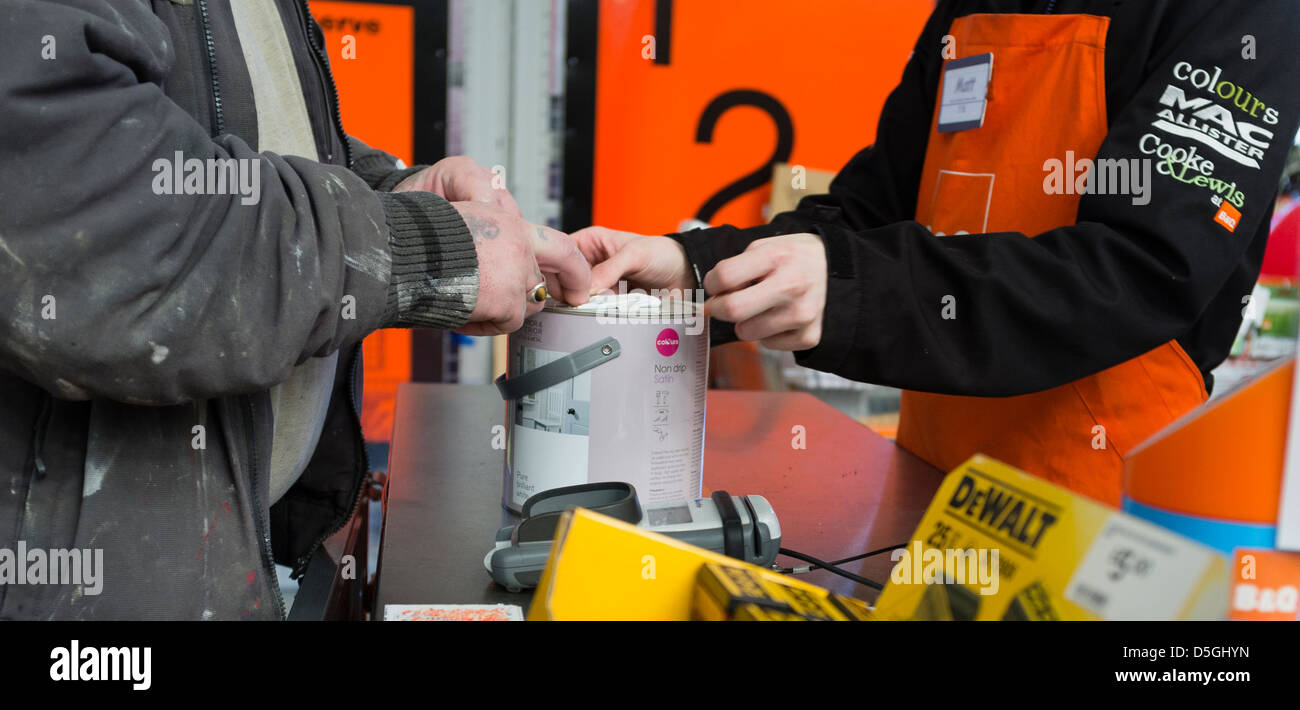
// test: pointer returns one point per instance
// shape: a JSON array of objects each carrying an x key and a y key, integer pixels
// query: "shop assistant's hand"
[
  {"x": 775, "y": 291},
  {"x": 460, "y": 179},
  {"x": 645, "y": 262},
  {"x": 515, "y": 255}
]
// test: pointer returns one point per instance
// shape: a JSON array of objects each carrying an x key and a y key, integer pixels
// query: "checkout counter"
[{"x": 848, "y": 492}]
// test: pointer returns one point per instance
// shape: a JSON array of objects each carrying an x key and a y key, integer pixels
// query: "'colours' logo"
[{"x": 667, "y": 342}]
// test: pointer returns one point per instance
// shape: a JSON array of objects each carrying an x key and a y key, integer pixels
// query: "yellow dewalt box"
[
  {"x": 739, "y": 592},
  {"x": 997, "y": 543},
  {"x": 602, "y": 569}
]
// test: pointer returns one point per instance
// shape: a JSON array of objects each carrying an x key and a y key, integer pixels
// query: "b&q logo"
[
  {"x": 1284, "y": 600},
  {"x": 1266, "y": 586},
  {"x": 1228, "y": 216}
]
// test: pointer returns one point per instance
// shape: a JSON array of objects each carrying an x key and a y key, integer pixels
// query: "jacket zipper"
[
  {"x": 218, "y": 118},
  {"x": 300, "y": 564},
  {"x": 39, "y": 431},
  {"x": 363, "y": 460},
  {"x": 268, "y": 558},
  {"x": 327, "y": 82}
]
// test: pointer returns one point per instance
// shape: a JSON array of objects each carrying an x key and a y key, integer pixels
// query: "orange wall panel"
[
  {"x": 376, "y": 82},
  {"x": 828, "y": 64}
]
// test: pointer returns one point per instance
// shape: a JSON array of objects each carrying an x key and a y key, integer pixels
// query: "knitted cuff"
[{"x": 434, "y": 281}]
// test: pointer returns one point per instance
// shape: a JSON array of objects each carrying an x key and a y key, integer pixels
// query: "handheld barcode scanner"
[{"x": 743, "y": 527}]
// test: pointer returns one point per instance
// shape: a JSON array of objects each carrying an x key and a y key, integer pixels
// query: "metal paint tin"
[{"x": 621, "y": 398}]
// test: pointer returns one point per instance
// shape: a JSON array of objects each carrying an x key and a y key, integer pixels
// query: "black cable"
[
  {"x": 822, "y": 564},
  {"x": 855, "y": 558},
  {"x": 873, "y": 553}
]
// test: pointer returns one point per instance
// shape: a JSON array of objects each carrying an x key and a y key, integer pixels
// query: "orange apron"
[{"x": 1046, "y": 97}]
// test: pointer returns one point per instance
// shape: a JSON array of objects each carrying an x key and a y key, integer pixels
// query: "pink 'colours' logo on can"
[{"x": 667, "y": 342}]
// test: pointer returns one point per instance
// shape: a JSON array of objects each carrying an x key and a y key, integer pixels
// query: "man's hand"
[
  {"x": 775, "y": 292},
  {"x": 515, "y": 255},
  {"x": 460, "y": 179},
  {"x": 645, "y": 262}
]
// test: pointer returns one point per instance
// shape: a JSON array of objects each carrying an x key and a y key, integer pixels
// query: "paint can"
[{"x": 613, "y": 390}]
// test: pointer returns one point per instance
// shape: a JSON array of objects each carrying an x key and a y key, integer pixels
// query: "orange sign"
[
  {"x": 1266, "y": 586},
  {"x": 371, "y": 49},
  {"x": 697, "y": 100}
]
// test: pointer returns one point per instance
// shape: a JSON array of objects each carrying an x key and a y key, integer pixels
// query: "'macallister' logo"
[{"x": 1212, "y": 124}]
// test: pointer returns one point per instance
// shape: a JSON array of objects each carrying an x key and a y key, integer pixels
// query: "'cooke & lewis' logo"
[{"x": 667, "y": 341}]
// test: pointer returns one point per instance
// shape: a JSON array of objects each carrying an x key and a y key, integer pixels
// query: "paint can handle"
[{"x": 557, "y": 371}]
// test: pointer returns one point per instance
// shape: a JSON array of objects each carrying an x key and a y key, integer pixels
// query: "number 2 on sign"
[{"x": 781, "y": 153}]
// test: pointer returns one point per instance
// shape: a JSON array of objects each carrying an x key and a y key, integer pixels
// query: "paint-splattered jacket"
[{"x": 140, "y": 332}]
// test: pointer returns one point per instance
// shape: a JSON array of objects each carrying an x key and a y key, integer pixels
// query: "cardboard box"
[
  {"x": 602, "y": 569},
  {"x": 737, "y": 592},
  {"x": 997, "y": 543}
]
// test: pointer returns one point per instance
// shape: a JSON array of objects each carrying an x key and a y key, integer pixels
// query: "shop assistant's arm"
[{"x": 1036, "y": 313}]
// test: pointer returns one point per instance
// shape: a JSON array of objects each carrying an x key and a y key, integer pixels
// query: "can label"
[
  {"x": 552, "y": 428},
  {"x": 637, "y": 418}
]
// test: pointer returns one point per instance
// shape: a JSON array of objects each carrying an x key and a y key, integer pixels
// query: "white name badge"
[{"x": 965, "y": 93}]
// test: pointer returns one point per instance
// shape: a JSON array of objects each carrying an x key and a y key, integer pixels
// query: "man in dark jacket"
[
  {"x": 1052, "y": 241},
  {"x": 191, "y": 250}
]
